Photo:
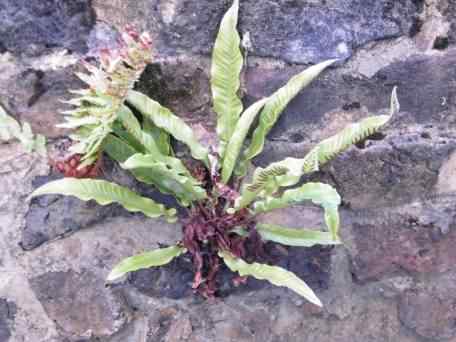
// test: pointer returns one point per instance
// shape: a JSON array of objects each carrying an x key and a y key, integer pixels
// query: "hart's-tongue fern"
[{"x": 222, "y": 216}]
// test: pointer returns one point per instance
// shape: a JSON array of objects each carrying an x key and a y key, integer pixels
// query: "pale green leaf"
[
  {"x": 277, "y": 103},
  {"x": 132, "y": 125},
  {"x": 262, "y": 180},
  {"x": 355, "y": 133},
  {"x": 168, "y": 173},
  {"x": 237, "y": 139},
  {"x": 91, "y": 130},
  {"x": 117, "y": 148},
  {"x": 75, "y": 122},
  {"x": 161, "y": 137},
  {"x": 119, "y": 130},
  {"x": 274, "y": 274},
  {"x": 319, "y": 193},
  {"x": 158, "y": 257},
  {"x": 89, "y": 144},
  {"x": 120, "y": 151},
  {"x": 172, "y": 124},
  {"x": 320, "y": 154},
  {"x": 85, "y": 78},
  {"x": 295, "y": 237},
  {"x": 104, "y": 193},
  {"x": 10, "y": 128},
  {"x": 225, "y": 76}
]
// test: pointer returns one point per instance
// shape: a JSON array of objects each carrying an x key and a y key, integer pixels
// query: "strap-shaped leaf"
[
  {"x": 262, "y": 179},
  {"x": 354, "y": 133},
  {"x": 132, "y": 125},
  {"x": 170, "y": 174},
  {"x": 317, "y": 156},
  {"x": 40, "y": 145},
  {"x": 274, "y": 274},
  {"x": 319, "y": 193},
  {"x": 295, "y": 237},
  {"x": 162, "y": 139},
  {"x": 164, "y": 119},
  {"x": 225, "y": 72},
  {"x": 158, "y": 257},
  {"x": 119, "y": 130},
  {"x": 237, "y": 139},
  {"x": 277, "y": 103},
  {"x": 104, "y": 193},
  {"x": 120, "y": 151}
]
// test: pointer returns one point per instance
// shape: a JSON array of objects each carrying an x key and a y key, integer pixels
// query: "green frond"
[
  {"x": 263, "y": 180},
  {"x": 172, "y": 124},
  {"x": 277, "y": 103},
  {"x": 236, "y": 141},
  {"x": 105, "y": 193},
  {"x": 274, "y": 274},
  {"x": 225, "y": 76},
  {"x": 319, "y": 193},
  {"x": 168, "y": 174},
  {"x": 297, "y": 237},
  {"x": 158, "y": 257}
]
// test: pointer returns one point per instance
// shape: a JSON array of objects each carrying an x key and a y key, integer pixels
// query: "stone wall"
[{"x": 394, "y": 279}]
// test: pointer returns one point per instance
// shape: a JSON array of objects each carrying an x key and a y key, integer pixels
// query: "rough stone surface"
[
  {"x": 32, "y": 89},
  {"x": 394, "y": 277},
  {"x": 73, "y": 301},
  {"x": 429, "y": 310},
  {"x": 174, "y": 280},
  {"x": 314, "y": 30},
  {"x": 449, "y": 9},
  {"x": 30, "y": 27},
  {"x": 7, "y": 313},
  {"x": 416, "y": 238},
  {"x": 52, "y": 217},
  {"x": 320, "y": 105}
]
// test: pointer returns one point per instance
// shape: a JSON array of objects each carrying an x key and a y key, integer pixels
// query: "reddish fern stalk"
[{"x": 208, "y": 230}]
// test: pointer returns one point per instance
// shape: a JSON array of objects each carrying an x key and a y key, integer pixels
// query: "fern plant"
[
  {"x": 10, "y": 128},
  {"x": 221, "y": 222}
]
